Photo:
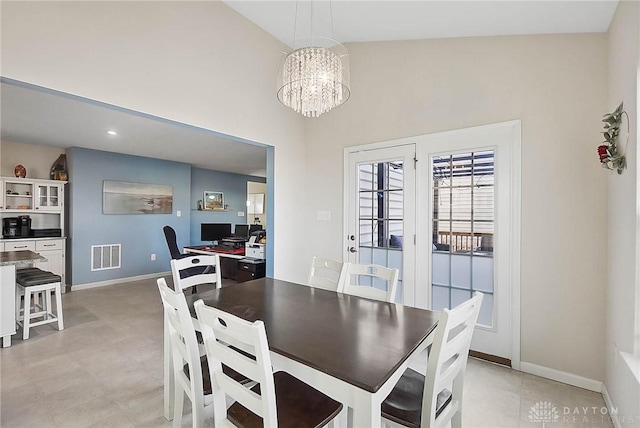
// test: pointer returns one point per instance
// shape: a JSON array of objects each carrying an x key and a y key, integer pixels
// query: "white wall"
[
  {"x": 557, "y": 86},
  {"x": 37, "y": 159},
  {"x": 202, "y": 64},
  {"x": 623, "y": 217},
  {"x": 199, "y": 63},
  {"x": 255, "y": 187}
]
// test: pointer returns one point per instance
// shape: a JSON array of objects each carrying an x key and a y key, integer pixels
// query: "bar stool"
[{"x": 30, "y": 283}]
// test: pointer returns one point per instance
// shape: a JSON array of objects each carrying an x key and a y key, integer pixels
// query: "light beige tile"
[{"x": 105, "y": 370}]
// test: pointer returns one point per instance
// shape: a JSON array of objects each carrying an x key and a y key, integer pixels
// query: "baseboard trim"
[
  {"x": 610, "y": 406},
  {"x": 491, "y": 358},
  {"x": 560, "y": 376},
  {"x": 118, "y": 281}
]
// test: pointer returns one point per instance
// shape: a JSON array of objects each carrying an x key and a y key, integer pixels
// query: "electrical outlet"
[{"x": 153, "y": 257}]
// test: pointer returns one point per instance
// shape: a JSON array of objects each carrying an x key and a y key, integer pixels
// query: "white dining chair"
[
  {"x": 190, "y": 371},
  {"x": 360, "y": 280},
  {"x": 326, "y": 274},
  {"x": 435, "y": 400},
  {"x": 196, "y": 270},
  {"x": 277, "y": 400}
]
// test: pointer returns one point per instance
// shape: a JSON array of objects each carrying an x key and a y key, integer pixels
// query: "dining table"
[
  {"x": 350, "y": 348},
  {"x": 9, "y": 260}
]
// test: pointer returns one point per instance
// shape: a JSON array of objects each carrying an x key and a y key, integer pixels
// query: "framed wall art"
[
  {"x": 213, "y": 200},
  {"x": 120, "y": 197}
]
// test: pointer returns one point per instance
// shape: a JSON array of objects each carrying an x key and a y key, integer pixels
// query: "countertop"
[{"x": 19, "y": 257}]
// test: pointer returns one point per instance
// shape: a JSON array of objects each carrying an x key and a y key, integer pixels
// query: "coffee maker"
[{"x": 16, "y": 227}]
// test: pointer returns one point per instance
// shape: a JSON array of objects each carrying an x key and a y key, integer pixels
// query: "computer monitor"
[
  {"x": 254, "y": 228},
  {"x": 242, "y": 231},
  {"x": 214, "y": 231}
]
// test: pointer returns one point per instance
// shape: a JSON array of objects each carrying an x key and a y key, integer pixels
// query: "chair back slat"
[
  {"x": 355, "y": 272},
  {"x": 208, "y": 264},
  {"x": 447, "y": 362},
  {"x": 184, "y": 346},
  {"x": 326, "y": 274},
  {"x": 250, "y": 336}
]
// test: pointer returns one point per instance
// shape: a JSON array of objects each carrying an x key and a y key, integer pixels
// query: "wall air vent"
[{"x": 105, "y": 256}]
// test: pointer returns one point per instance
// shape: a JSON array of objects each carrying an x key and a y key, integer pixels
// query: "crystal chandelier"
[{"x": 315, "y": 78}]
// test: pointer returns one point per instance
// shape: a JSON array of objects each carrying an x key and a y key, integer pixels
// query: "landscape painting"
[{"x": 121, "y": 197}]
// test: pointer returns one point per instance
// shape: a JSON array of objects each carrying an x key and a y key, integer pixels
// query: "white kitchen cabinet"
[
  {"x": 20, "y": 245},
  {"x": 43, "y": 202},
  {"x": 18, "y": 194},
  {"x": 53, "y": 251},
  {"x": 48, "y": 196}
]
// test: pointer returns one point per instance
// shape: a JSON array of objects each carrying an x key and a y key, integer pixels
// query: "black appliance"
[
  {"x": 46, "y": 233},
  {"x": 16, "y": 227},
  {"x": 10, "y": 227}
]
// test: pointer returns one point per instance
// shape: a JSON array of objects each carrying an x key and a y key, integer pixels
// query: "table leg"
[
  {"x": 366, "y": 415},
  {"x": 169, "y": 385},
  {"x": 6, "y": 341}
]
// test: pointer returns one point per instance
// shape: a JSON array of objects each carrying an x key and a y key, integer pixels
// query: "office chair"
[
  {"x": 172, "y": 243},
  {"x": 174, "y": 251}
]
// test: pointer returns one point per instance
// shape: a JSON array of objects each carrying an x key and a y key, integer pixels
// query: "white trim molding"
[
  {"x": 118, "y": 281},
  {"x": 609, "y": 403},
  {"x": 560, "y": 376}
]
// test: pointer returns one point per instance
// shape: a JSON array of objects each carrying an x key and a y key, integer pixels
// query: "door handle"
[{"x": 352, "y": 250}]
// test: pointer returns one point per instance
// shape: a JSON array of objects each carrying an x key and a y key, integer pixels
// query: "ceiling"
[
  {"x": 40, "y": 116},
  {"x": 364, "y": 21}
]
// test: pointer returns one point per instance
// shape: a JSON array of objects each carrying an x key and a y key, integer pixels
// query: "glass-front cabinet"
[
  {"x": 48, "y": 196},
  {"x": 18, "y": 195}
]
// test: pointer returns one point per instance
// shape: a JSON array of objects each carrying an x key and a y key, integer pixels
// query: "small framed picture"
[{"x": 213, "y": 200}]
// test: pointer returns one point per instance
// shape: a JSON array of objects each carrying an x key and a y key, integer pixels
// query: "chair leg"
[
  {"x": 26, "y": 315},
  {"x": 197, "y": 409},
  {"x": 59, "y": 308},
  {"x": 177, "y": 405},
  {"x": 47, "y": 302}
]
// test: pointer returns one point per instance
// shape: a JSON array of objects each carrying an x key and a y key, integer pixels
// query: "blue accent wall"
[
  {"x": 234, "y": 188},
  {"x": 139, "y": 234}
]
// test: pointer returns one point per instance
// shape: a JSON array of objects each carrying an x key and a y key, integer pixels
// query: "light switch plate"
[{"x": 240, "y": 213}]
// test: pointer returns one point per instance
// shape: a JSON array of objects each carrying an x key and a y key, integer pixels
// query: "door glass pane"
[
  {"x": 463, "y": 228},
  {"x": 395, "y": 175},
  {"x": 366, "y": 233},
  {"x": 381, "y": 216},
  {"x": 365, "y": 175},
  {"x": 366, "y": 205}
]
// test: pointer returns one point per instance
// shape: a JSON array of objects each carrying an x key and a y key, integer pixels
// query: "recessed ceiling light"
[{"x": 112, "y": 133}]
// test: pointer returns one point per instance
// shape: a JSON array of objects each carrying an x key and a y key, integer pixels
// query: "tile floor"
[{"x": 105, "y": 370}]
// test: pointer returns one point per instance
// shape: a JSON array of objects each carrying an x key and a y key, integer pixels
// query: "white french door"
[
  {"x": 381, "y": 213},
  {"x": 450, "y": 221}
]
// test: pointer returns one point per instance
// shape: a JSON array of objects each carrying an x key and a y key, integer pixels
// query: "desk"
[
  {"x": 350, "y": 348},
  {"x": 228, "y": 261},
  {"x": 8, "y": 262}
]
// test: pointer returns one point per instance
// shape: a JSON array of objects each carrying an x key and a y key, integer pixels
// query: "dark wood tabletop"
[{"x": 357, "y": 340}]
